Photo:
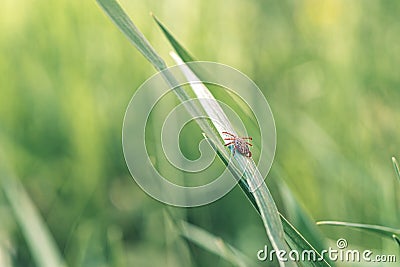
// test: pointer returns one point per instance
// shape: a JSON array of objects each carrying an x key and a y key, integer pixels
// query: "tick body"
[{"x": 239, "y": 144}]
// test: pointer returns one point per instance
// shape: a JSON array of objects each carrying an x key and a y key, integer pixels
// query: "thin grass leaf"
[
  {"x": 297, "y": 242},
  {"x": 214, "y": 244},
  {"x": 182, "y": 52},
  {"x": 242, "y": 183},
  {"x": 206, "y": 240},
  {"x": 246, "y": 166},
  {"x": 174, "y": 243},
  {"x": 124, "y": 23},
  {"x": 293, "y": 238},
  {"x": 396, "y": 239},
  {"x": 40, "y": 241},
  {"x": 187, "y": 57},
  {"x": 300, "y": 218},
  {"x": 396, "y": 167},
  {"x": 128, "y": 28},
  {"x": 264, "y": 199},
  {"x": 378, "y": 229}
]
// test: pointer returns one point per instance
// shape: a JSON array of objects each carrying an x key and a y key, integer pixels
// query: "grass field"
[{"x": 329, "y": 72}]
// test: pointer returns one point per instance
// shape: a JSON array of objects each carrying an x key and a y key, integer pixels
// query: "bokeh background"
[{"x": 329, "y": 70}]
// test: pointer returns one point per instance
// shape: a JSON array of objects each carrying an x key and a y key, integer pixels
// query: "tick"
[{"x": 239, "y": 143}]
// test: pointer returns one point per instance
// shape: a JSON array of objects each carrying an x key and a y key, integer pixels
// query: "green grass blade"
[
  {"x": 292, "y": 236},
  {"x": 187, "y": 57},
  {"x": 261, "y": 196},
  {"x": 396, "y": 239},
  {"x": 310, "y": 236},
  {"x": 265, "y": 203},
  {"x": 40, "y": 241},
  {"x": 378, "y": 229},
  {"x": 297, "y": 242},
  {"x": 270, "y": 217},
  {"x": 174, "y": 243},
  {"x": 214, "y": 244},
  {"x": 299, "y": 217},
  {"x": 124, "y": 23},
  {"x": 182, "y": 52},
  {"x": 237, "y": 175},
  {"x": 396, "y": 167}
]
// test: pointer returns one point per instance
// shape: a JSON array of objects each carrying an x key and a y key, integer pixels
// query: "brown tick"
[{"x": 239, "y": 143}]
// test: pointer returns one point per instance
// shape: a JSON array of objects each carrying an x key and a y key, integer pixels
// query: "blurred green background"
[{"x": 328, "y": 69}]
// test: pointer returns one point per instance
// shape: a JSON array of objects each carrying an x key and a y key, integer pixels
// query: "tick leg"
[
  {"x": 229, "y": 138},
  {"x": 230, "y": 143},
  {"x": 250, "y": 138},
  {"x": 229, "y": 134},
  {"x": 249, "y": 144}
]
